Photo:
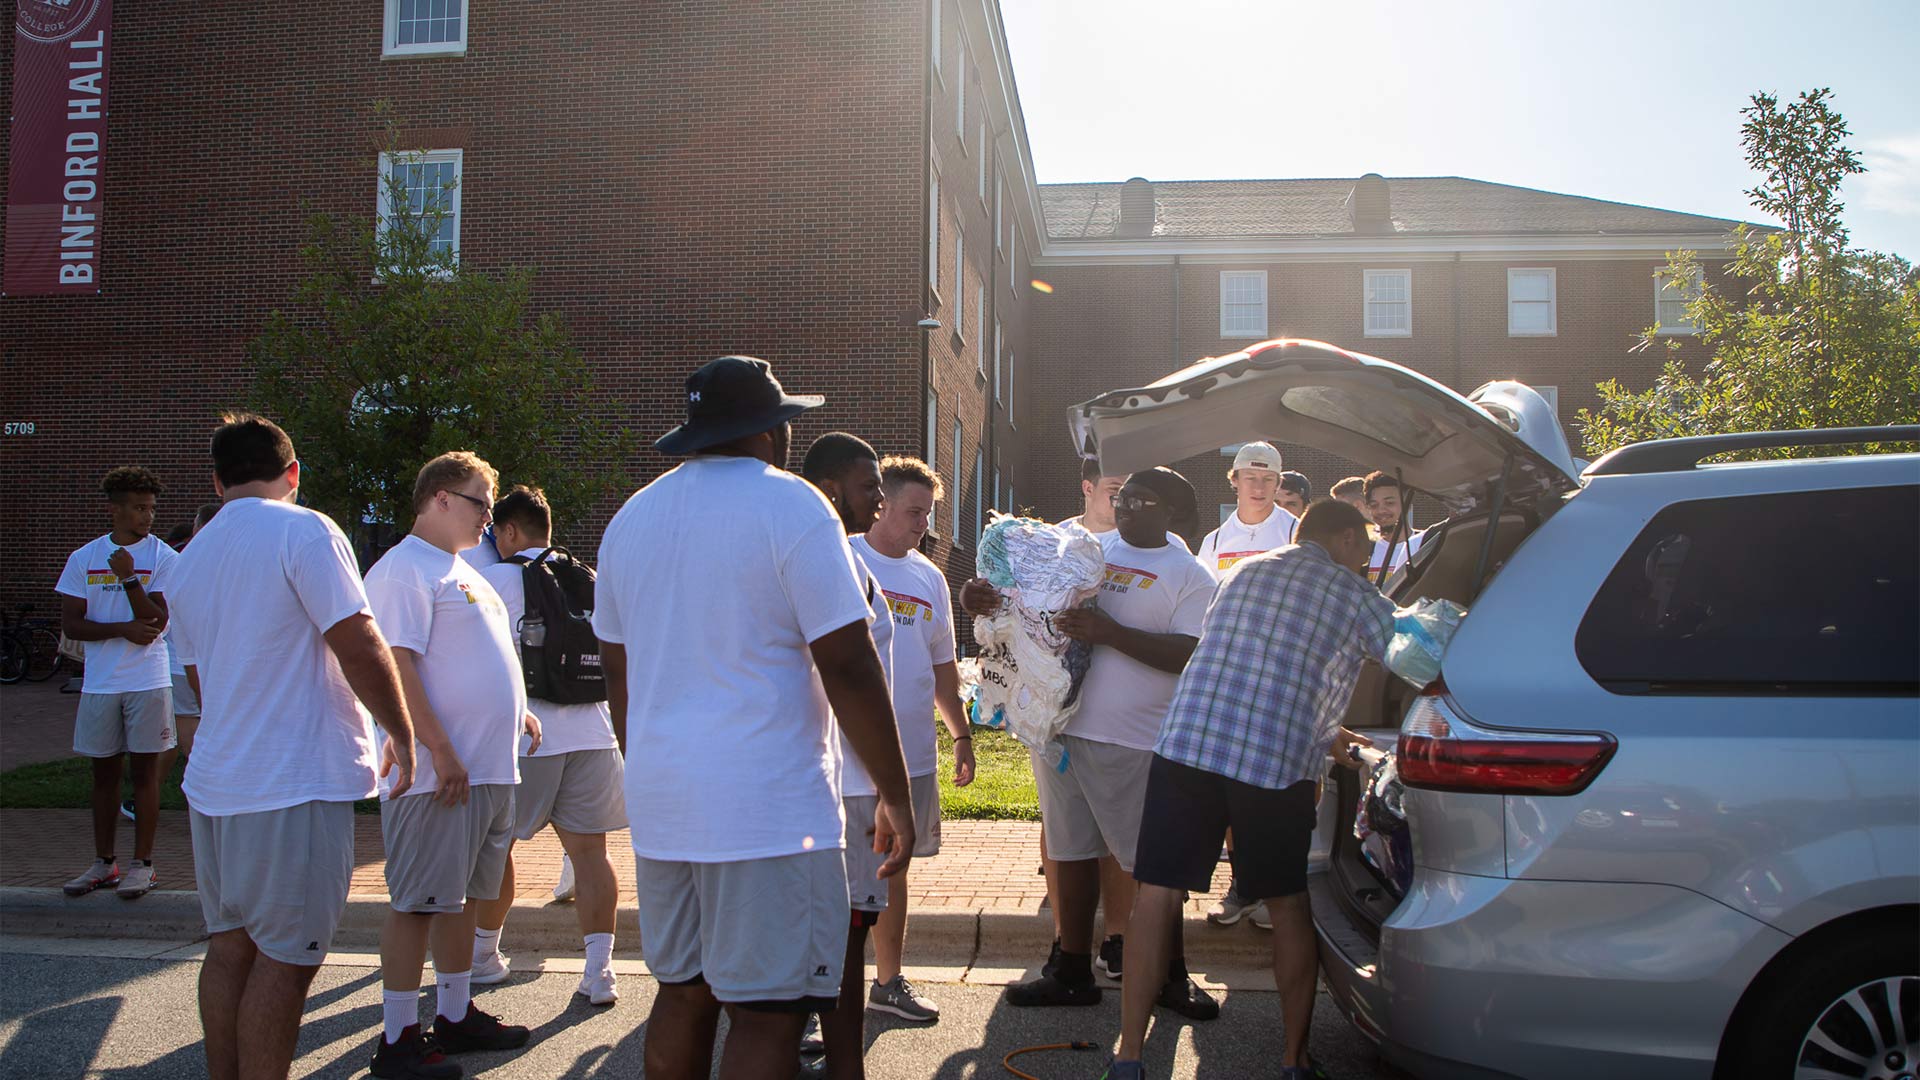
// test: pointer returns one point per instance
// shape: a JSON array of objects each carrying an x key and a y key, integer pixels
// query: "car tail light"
[{"x": 1440, "y": 749}]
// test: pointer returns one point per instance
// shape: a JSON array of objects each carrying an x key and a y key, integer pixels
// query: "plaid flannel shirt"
[{"x": 1264, "y": 693}]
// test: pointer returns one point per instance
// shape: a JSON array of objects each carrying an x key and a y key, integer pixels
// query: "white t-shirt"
[
  {"x": 586, "y": 725},
  {"x": 1402, "y": 551},
  {"x": 438, "y": 606},
  {"x": 922, "y": 610},
  {"x": 1101, "y": 535},
  {"x": 854, "y": 779},
  {"x": 715, "y": 578},
  {"x": 249, "y": 600},
  {"x": 116, "y": 665},
  {"x": 1235, "y": 540},
  {"x": 1163, "y": 590}
]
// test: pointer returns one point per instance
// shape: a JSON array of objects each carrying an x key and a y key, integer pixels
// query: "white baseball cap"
[{"x": 1255, "y": 455}]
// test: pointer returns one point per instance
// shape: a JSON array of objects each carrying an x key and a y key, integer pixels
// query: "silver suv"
[{"x": 1664, "y": 802}]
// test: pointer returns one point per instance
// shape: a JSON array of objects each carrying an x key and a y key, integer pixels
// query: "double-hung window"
[
  {"x": 1387, "y": 297},
  {"x": 1243, "y": 303},
  {"x": 422, "y": 187},
  {"x": 425, "y": 28},
  {"x": 1531, "y": 307},
  {"x": 1670, "y": 300},
  {"x": 933, "y": 226}
]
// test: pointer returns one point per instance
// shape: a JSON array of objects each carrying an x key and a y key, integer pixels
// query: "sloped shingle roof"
[{"x": 1429, "y": 205}]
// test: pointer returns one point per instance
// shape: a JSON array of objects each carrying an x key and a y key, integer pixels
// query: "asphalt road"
[{"x": 72, "y": 1009}]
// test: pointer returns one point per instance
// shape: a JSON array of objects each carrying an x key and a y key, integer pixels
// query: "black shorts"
[{"x": 1188, "y": 813}]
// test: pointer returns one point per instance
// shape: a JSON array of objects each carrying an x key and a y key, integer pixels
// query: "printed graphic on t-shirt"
[
  {"x": 1226, "y": 559},
  {"x": 1124, "y": 579},
  {"x": 907, "y": 608},
  {"x": 110, "y": 581},
  {"x": 486, "y": 601}
]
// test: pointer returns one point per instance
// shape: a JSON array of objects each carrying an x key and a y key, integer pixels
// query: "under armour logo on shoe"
[
  {"x": 313, "y": 946},
  {"x": 820, "y": 972},
  {"x": 694, "y": 397}
]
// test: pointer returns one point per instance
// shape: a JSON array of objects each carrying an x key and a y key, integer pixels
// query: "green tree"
[
  {"x": 375, "y": 373},
  {"x": 1804, "y": 331}
]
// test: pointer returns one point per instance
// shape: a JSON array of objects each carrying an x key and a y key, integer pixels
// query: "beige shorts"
[
  {"x": 1093, "y": 809},
  {"x": 439, "y": 856},
  {"x": 584, "y": 791},
  {"x": 926, "y": 815},
  {"x": 866, "y": 891},
  {"x": 281, "y": 875},
  {"x": 136, "y": 722},
  {"x": 185, "y": 701},
  {"x": 758, "y": 931}
]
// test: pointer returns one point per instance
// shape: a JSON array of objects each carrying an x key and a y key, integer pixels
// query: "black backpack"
[{"x": 558, "y": 650}]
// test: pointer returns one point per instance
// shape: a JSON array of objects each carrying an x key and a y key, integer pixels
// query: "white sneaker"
[
  {"x": 138, "y": 881},
  {"x": 490, "y": 969},
  {"x": 1259, "y": 916},
  {"x": 98, "y": 876},
  {"x": 600, "y": 988},
  {"x": 564, "y": 890}
]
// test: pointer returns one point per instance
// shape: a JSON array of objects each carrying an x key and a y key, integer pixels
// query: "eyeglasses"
[
  {"x": 1133, "y": 503},
  {"x": 486, "y": 508}
]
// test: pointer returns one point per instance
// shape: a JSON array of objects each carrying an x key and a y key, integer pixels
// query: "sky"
[{"x": 1626, "y": 100}]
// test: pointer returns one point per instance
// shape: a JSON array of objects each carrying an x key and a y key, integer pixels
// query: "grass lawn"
[{"x": 1002, "y": 787}]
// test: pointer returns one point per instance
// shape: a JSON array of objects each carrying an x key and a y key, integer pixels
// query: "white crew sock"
[
  {"x": 402, "y": 1011},
  {"x": 486, "y": 943},
  {"x": 599, "y": 953},
  {"x": 454, "y": 990}
]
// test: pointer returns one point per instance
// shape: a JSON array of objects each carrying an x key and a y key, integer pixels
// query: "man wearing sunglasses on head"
[{"x": 1145, "y": 626}]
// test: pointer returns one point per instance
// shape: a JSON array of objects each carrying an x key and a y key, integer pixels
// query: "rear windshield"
[
  {"x": 1380, "y": 417},
  {"x": 1817, "y": 591}
]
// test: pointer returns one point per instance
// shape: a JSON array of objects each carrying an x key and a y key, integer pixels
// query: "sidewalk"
[{"x": 982, "y": 865}]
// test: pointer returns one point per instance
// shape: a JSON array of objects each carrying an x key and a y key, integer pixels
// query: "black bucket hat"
[{"x": 731, "y": 398}]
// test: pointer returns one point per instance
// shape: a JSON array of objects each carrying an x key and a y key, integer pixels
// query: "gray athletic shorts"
[
  {"x": 280, "y": 875},
  {"x": 926, "y": 815},
  {"x": 758, "y": 931},
  {"x": 1093, "y": 809},
  {"x": 584, "y": 791},
  {"x": 439, "y": 856},
  {"x": 137, "y": 722},
  {"x": 185, "y": 701},
  {"x": 865, "y": 889}
]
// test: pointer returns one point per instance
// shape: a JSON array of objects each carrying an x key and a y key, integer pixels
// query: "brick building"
[{"x": 806, "y": 183}]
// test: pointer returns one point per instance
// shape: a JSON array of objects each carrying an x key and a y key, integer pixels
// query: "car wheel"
[{"x": 1851, "y": 1012}]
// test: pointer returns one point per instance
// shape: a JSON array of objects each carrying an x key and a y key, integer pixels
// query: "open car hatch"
[{"x": 1371, "y": 411}]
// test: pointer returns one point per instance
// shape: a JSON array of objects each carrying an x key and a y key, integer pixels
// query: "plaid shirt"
[{"x": 1264, "y": 693}]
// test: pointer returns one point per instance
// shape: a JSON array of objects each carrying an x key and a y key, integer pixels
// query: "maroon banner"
[{"x": 54, "y": 175}]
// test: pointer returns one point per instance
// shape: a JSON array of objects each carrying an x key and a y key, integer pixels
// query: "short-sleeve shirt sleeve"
[
  {"x": 824, "y": 589},
  {"x": 1375, "y": 623},
  {"x": 73, "y": 578},
  {"x": 943, "y": 638},
  {"x": 163, "y": 557},
  {"x": 326, "y": 579},
  {"x": 606, "y": 597},
  {"x": 1196, "y": 596}
]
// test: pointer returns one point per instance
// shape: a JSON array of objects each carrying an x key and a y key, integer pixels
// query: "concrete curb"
[{"x": 1003, "y": 942}]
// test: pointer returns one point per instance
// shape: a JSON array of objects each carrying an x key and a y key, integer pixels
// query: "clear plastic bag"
[
  {"x": 1028, "y": 673},
  {"x": 1421, "y": 634}
]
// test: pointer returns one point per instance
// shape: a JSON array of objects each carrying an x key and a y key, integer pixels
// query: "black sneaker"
[
  {"x": 1108, "y": 962},
  {"x": 1048, "y": 991},
  {"x": 1184, "y": 996},
  {"x": 1053, "y": 960},
  {"x": 414, "y": 1057},
  {"x": 478, "y": 1031}
]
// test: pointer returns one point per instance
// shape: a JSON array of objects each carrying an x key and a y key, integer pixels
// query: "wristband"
[
  {"x": 963, "y": 738},
  {"x": 134, "y": 580}
]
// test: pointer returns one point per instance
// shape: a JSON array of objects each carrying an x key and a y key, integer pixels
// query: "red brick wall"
[{"x": 689, "y": 179}]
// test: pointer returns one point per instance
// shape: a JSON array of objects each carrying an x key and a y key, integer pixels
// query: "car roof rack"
[{"x": 1675, "y": 455}]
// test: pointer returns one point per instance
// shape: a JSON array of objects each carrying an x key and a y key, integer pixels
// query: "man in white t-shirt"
[
  {"x": 272, "y": 622},
  {"x": 186, "y": 703},
  {"x": 925, "y": 680},
  {"x": 731, "y": 619},
  {"x": 574, "y": 781},
  {"x": 1257, "y": 523},
  {"x": 447, "y": 839},
  {"x": 847, "y": 471},
  {"x": 1146, "y": 625},
  {"x": 112, "y": 598},
  {"x": 1392, "y": 546}
]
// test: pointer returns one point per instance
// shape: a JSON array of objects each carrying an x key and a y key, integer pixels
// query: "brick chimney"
[
  {"x": 1136, "y": 208},
  {"x": 1370, "y": 205}
]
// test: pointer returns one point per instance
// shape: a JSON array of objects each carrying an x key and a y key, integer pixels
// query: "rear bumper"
[{"x": 1493, "y": 977}]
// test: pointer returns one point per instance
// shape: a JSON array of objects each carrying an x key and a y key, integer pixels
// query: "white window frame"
[
  {"x": 959, "y": 278},
  {"x": 1010, "y": 397},
  {"x": 933, "y": 427},
  {"x": 935, "y": 44},
  {"x": 1229, "y": 329},
  {"x": 957, "y": 493},
  {"x": 979, "y": 490},
  {"x": 383, "y": 207},
  {"x": 1552, "y": 394},
  {"x": 983, "y": 161},
  {"x": 933, "y": 227},
  {"x": 960, "y": 99},
  {"x": 390, "y": 35},
  {"x": 1367, "y": 279},
  {"x": 997, "y": 355},
  {"x": 996, "y": 481},
  {"x": 1662, "y": 290},
  {"x": 980, "y": 323},
  {"x": 1552, "y": 301},
  {"x": 999, "y": 231}
]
